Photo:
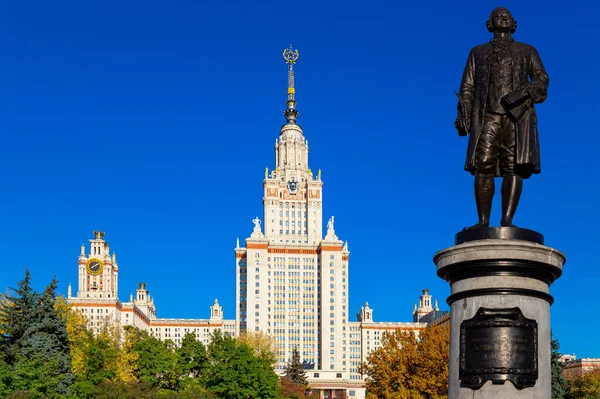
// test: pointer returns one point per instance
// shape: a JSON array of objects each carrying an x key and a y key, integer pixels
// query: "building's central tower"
[
  {"x": 291, "y": 282},
  {"x": 292, "y": 194}
]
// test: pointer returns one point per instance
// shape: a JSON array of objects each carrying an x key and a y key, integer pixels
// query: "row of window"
[{"x": 293, "y": 232}]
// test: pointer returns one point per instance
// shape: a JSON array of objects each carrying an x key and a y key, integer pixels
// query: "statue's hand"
[{"x": 461, "y": 125}]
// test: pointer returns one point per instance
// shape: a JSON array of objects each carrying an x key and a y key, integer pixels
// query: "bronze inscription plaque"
[{"x": 498, "y": 345}]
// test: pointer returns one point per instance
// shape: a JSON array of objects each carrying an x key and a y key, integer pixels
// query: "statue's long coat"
[{"x": 529, "y": 76}]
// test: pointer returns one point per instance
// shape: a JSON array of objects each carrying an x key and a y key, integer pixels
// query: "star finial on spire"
[
  {"x": 290, "y": 55},
  {"x": 291, "y": 113}
]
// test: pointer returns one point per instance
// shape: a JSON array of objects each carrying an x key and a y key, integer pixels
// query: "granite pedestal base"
[{"x": 500, "y": 313}]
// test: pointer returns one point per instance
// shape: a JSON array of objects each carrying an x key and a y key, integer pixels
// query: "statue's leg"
[
  {"x": 486, "y": 159},
  {"x": 484, "y": 193},
  {"x": 512, "y": 184}
]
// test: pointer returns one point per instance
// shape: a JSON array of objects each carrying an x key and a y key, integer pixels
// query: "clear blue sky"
[{"x": 154, "y": 121}]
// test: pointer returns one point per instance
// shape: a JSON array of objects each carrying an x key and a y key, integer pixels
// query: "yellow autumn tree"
[
  {"x": 3, "y": 303},
  {"x": 586, "y": 386},
  {"x": 77, "y": 333},
  {"x": 127, "y": 359},
  {"x": 261, "y": 343},
  {"x": 119, "y": 341},
  {"x": 122, "y": 361},
  {"x": 407, "y": 366}
]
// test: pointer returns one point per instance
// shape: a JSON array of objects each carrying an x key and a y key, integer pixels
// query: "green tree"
[
  {"x": 294, "y": 370},
  {"x": 100, "y": 355},
  {"x": 46, "y": 339},
  {"x": 235, "y": 372},
  {"x": 191, "y": 356},
  {"x": 124, "y": 390},
  {"x": 39, "y": 377},
  {"x": 96, "y": 361},
  {"x": 16, "y": 315},
  {"x": 35, "y": 343},
  {"x": 408, "y": 366},
  {"x": 559, "y": 383},
  {"x": 157, "y": 361},
  {"x": 6, "y": 377}
]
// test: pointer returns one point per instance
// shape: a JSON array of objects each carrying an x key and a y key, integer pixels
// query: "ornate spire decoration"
[
  {"x": 98, "y": 235},
  {"x": 291, "y": 113}
]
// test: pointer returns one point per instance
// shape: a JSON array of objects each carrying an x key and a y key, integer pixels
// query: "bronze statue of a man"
[{"x": 501, "y": 82}]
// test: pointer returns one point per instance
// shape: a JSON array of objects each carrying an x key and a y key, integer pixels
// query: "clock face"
[
  {"x": 94, "y": 266},
  {"x": 293, "y": 186}
]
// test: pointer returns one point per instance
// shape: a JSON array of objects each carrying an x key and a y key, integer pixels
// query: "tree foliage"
[
  {"x": 290, "y": 390},
  {"x": 408, "y": 366},
  {"x": 236, "y": 373},
  {"x": 559, "y": 383},
  {"x": 127, "y": 359},
  {"x": 35, "y": 346},
  {"x": 77, "y": 333},
  {"x": 157, "y": 360},
  {"x": 191, "y": 358},
  {"x": 294, "y": 369},
  {"x": 47, "y": 351},
  {"x": 586, "y": 386},
  {"x": 261, "y": 343},
  {"x": 16, "y": 315}
]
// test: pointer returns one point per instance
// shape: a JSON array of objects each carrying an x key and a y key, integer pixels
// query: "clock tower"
[{"x": 98, "y": 271}]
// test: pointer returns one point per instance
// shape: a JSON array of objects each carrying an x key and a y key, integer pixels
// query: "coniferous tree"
[
  {"x": 294, "y": 370},
  {"x": 559, "y": 383},
  {"x": 6, "y": 377},
  {"x": 45, "y": 342},
  {"x": 35, "y": 343},
  {"x": 16, "y": 315}
]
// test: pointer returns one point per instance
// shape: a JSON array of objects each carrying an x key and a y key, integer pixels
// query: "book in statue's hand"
[
  {"x": 515, "y": 98},
  {"x": 517, "y": 104}
]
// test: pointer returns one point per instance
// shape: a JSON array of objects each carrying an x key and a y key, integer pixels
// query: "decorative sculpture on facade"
[{"x": 256, "y": 233}]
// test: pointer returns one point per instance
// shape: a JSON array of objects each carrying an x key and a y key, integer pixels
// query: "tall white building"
[{"x": 291, "y": 282}]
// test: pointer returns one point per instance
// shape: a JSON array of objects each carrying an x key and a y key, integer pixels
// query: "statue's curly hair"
[{"x": 489, "y": 25}]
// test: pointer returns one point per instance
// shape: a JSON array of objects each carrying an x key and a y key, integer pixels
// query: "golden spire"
[{"x": 291, "y": 56}]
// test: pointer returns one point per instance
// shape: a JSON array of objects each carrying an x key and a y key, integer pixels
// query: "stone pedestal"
[{"x": 500, "y": 313}]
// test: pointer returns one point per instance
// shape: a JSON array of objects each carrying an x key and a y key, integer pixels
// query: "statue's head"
[{"x": 501, "y": 21}]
